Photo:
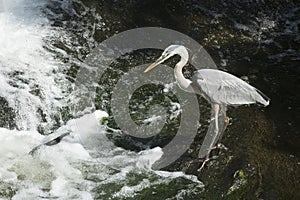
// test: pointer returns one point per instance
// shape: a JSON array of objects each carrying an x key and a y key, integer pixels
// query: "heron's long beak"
[{"x": 157, "y": 62}]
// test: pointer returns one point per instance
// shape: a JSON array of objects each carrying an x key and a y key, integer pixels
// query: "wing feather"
[{"x": 224, "y": 88}]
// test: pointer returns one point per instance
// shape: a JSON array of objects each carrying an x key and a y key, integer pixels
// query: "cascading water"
[
  {"x": 42, "y": 47},
  {"x": 31, "y": 81},
  {"x": 35, "y": 89}
]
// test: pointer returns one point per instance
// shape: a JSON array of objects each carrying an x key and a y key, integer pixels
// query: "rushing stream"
[{"x": 43, "y": 44}]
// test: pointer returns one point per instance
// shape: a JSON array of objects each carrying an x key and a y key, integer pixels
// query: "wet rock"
[
  {"x": 253, "y": 166},
  {"x": 255, "y": 39},
  {"x": 7, "y": 115}
]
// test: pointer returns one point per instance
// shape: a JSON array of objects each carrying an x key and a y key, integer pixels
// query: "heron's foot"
[
  {"x": 220, "y": 146},
  {"x": 204, "y": 161}
]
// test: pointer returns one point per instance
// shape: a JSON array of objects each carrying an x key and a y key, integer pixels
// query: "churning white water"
[
  {"x": 32, "y": 82},
  {"x": 29, "y": 75}
]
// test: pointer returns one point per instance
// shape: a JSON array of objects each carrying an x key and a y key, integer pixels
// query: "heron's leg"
[
  {"x": 220, "y": 146},
  {"x": 215, "y": 108},
  {"x": 203, "y": 163},
  {"x": 226, "y": 122}
]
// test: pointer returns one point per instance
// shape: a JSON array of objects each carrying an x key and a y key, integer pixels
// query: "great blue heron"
[{"x": 217, "y": 87}]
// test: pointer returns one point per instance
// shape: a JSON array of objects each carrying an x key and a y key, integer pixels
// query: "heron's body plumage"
[{"x": 226, "y": 89}]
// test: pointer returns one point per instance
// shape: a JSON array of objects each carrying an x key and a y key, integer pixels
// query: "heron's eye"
[{"x": 165, "y": 54}]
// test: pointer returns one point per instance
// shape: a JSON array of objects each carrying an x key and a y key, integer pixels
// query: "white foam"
[
  {"x": 82, "y": 161},
  {"x": 23, "y": 31},
  {"x": 147, "y": 158},
  {"x": 100, "y": 114},
  {"x": 61, "y": 171},
  {"x": 130, "y": 191}
]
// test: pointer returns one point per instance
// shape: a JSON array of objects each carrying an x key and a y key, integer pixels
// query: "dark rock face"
[
  {"x": 7, "y": 115},
  {"x": 257, "y": 40}
]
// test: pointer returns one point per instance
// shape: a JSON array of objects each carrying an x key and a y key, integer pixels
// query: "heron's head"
[{"x": 169, "y": 52}]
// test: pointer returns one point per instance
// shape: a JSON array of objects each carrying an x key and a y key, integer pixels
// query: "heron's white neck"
[{"x": 183, "y": 83}]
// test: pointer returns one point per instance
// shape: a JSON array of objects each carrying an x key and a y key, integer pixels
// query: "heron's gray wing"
[{"x": 223, "y": 88}]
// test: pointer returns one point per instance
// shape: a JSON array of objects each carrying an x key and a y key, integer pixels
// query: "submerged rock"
[{"x": 7, "y": 115}]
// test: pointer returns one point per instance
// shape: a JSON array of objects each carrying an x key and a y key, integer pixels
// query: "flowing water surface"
[{"x": 44, "y": 43}]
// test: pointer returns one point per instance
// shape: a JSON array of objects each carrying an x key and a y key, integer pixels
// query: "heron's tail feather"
[{"x": 262, "y": 98}]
